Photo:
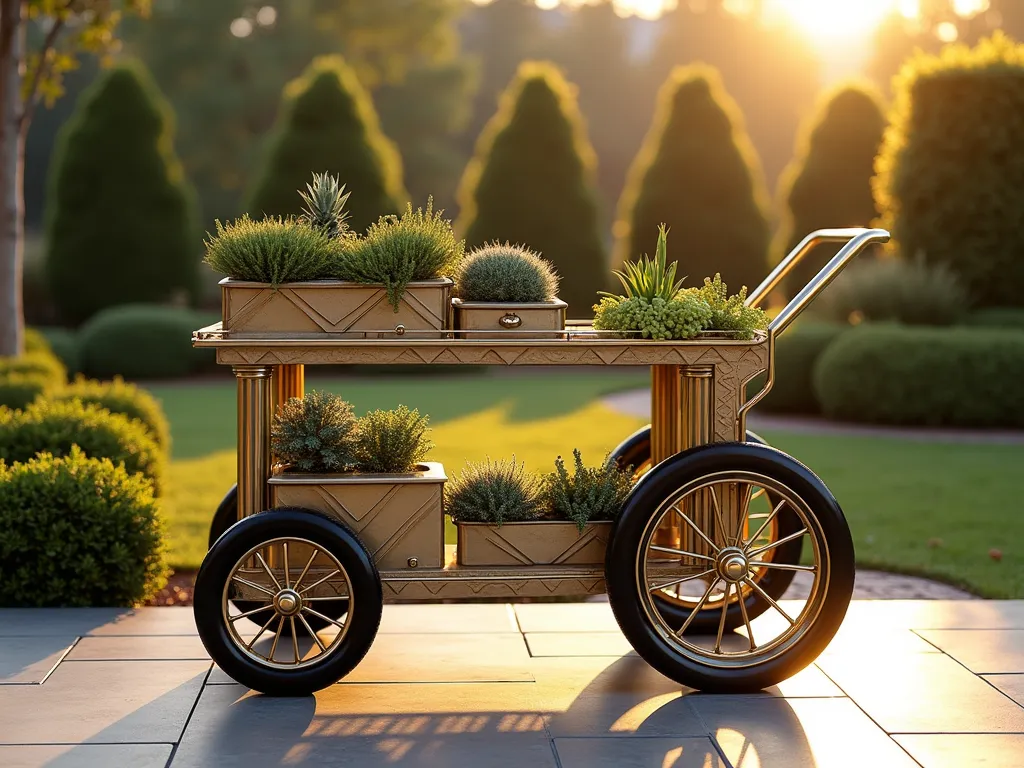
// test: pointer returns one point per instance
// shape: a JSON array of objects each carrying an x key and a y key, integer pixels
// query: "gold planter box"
[
  {"x": 493, "y": 320},
  {"x": 399, "y": 518},
  {"x": 333, "y": 306},
  {"x": 546, "y": 542}
]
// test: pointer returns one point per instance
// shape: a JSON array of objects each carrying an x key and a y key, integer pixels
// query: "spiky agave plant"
[
  {"x": 324, "y": 207},
  {"x": 651, "y": 278}
]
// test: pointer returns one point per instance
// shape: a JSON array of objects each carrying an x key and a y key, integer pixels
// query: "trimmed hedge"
[
  {"x": 20, "y": 391},
  {"x": 24, "y": 378},
  {"x": 56, "y": 427},
  {"x": 143, "y": 341},
  {"x": 78, "y": 532},
  {"x": 996, "y": 317},
  {"x": 796, "y": 353},
  {"x": 891, "y": 374},
  {"x": 62, "y": 343},
  {"x": 126, "y": 399}
]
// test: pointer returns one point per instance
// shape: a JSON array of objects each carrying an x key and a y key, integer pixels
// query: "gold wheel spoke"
[
  {"x": 676, "y": 582},
  {"x": 277, "y": 638},
  {"x": 252, "y": 585},
  {"x": 771, "y": 601},
  {"x": 321, "y": 616},
  {"x": 262, "y": 630},
  {"x": 784, "y": 540},
  {"x": 287, "y": 579},
  {"x": 699, "y": 532},
  {"x": 721, "y": 621},
  {"x": 305, "y": 570},
  {"x": 311, "y": 632},
  {"x": 323, "y": 599},
  {"x": 250, "y": 613},
  {"x": 746, "y": 620},
  {"x": 784, "y": 566},
  {"x": 765, "y": 524},
  {"x": 718, "y": 514},
  {"x": 680, "y": 552},
  {"x": 696, "y": 609},
  {"x": 295, "y": 640},
  {"x": 321, "y": 581},
  {"x": 760, "y": 492},
  {"x": 269, "y": 572}
]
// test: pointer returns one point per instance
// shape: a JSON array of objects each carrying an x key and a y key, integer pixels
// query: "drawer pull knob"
[{"x": 510, "y": 320}]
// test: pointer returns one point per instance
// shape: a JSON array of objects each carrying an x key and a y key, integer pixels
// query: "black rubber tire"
[
  {"x": 226, "y": 516},
  {"x": 332, "y": 536},
  {"x": 634, "y": 451},
  {"x": 623, "y": 550}
]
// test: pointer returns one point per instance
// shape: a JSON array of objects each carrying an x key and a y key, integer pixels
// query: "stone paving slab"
[
  {"x": 139, "y": 648},
  {"x": 696, "y": 752},
  {"x": 957, "y": 750},
  {"x": 982, "y": 651},
  {"x": 86, "y": 756},
  {"x": 26, "y": 660},
  {"x": 1009, "y": 685},
  {"x": 59, "y": 622}
]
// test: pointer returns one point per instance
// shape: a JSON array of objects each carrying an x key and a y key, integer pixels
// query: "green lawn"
[{"x": 902, "y": 497}]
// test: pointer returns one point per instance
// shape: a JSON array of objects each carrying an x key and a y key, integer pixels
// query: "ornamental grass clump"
[
  {"x": 495, "y": 492},
  {"x": 272, "y": 251},
  {"x": 505, "y": 273},
  {"x": 590, "y": 493},
  {"x": 315, "y": 433},
  {"x": 391, "y": 441},
  {"x": 730, "y": 313},
  {"x": 396, "y": 250}
]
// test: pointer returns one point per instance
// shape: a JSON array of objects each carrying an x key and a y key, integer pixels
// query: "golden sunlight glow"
[{"x": 827, "y": 21}]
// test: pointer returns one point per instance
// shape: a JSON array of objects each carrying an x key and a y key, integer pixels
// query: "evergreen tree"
[
  {"x": 698, "y": 173},
  {"x": 120, "y": 217},
  {"x": 328, "y": 124},
  {"x": 532, "y": 182},
  {"x": 828, "y": 184}
]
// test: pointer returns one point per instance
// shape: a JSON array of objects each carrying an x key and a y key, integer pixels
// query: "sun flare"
[{"x": 831, "y": 21}]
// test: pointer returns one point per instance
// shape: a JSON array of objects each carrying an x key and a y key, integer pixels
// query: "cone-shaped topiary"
[
  {"x": 532, "y": 181},
  {"x": 328, "y": 125},
  {"x": 505, "y": 273},
  {"x": 120, "y": 221},
  {"x": 828, "y": 184},
  {"x": 698, "y": 173},
  {"x": 950, "y": 181}
]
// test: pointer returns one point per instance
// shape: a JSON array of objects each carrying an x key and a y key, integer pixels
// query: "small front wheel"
[
  {"x": 283, "y": 565},
  {"x": 686, "y": 521}
]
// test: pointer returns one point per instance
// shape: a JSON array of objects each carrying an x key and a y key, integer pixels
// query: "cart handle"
[{"x": 856, "y": 240}]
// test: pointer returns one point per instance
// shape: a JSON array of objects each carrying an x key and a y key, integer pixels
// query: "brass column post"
[
  {"x": 666, "y": 435},
  {"x": 254, "y": 411},
  {"x": 698, "y": 414},
  {"x": 289, "y": 382}
]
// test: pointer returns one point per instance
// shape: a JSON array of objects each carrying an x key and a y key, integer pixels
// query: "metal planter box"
[
  {"x": 494, "y": 320},
  {"x": 333, "y": 307},
  {"x": 544, "y": 542},
  {"x": 398, "y": 517}
]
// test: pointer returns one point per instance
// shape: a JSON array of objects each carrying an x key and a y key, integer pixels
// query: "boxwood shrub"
[
  {"x": 56, "y": 427},
  {"x": 24, "y": 378},
  {"x": 61, "y": 342},
  {"x": 76, "y": 531},
  {"x": 117, "y": 396},
  {"x": 891, "y": 374},
  {"x": 796, "y": 352},
  {"x": 996, "y": 317},
  {"x": 20, "y": 391},
  {"x": 143, "y": 341}
]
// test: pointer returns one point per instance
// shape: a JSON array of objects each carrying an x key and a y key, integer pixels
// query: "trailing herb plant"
[
  {"x": 590, "y": 493},
  {"x": 324, "y": 208},
  {"x": 655, "y": 306},
  {"x": 729, "y": 313},
  {"x": 391, "y": 441},
  {"x": 505, "y": 273},
  {"x": 396, "y": 250},
  {"x": 271, "y": 251},
  {"x": 315, "y": 433},
  {"x": 495, "y": 492}
]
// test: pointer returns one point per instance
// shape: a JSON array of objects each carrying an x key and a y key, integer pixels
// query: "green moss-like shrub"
[
  {"x": 56, "y": 427},
  {"x": 314, "y": 433},
  {"x": 272, "y": 251},
  {"x": 43, "y": 365},
  {"x": 140, "y": 341},
  {"x": 117, "y": 396},
  {"x": 950, "y": 181},
  {"x": 495, "y": 492},
  {"x": 19, "y": 390},
  {"x": 78, "y": 532},
  {"x": 505, "y": 273},
  {"x": 796, "y": 353},
  {"x": 62, "y": 343},
  {"x": 891, "y": 374},
  {"x": 35, "y": 341},
  {"x": 589, "y": 493},
  {"x": 730, "y": 313},
  {"x": 894, "y": 290},
  {"x": 396, "y": 250},
  {"x": 391, "y": 441}
]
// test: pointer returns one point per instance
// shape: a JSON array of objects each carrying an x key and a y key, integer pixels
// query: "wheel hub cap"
[
  {"x": 287, "y": 602},
  {"x": 733, "y": 565}
]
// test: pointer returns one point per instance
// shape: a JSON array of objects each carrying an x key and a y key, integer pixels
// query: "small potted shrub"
[
  {"x": 313, "y": 275},
  {"x": 369, "y": 473},
  {"x": 507, "y": 288},
  {"x": 506, "y": 517}
]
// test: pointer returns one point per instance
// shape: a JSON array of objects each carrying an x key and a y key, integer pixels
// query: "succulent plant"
[
  {"x": 494, "y": 492},
  {"x": 651, "y": 278},
  {"x": 314, "y": 433},
  {"x": 505, "y": 273},
  {"x": 325, "y": 202},
  {"x": 682, "y": 317}
]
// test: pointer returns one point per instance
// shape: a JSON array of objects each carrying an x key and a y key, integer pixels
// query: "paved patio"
[{"x": 931, "y": 683}]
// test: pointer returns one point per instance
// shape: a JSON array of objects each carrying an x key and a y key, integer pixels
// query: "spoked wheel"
[
  {"x": 679, "y": 600},
  {"x": 226, "y": 516},
  {"x": 697, "y": 497},
  {"x": 283, "y": 566}
]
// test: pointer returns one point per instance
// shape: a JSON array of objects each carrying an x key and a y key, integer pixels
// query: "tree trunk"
[{"x": 12, "y": 157}]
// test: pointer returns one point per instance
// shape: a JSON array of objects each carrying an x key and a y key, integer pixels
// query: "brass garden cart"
[{"x": 290, "y": 595}]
